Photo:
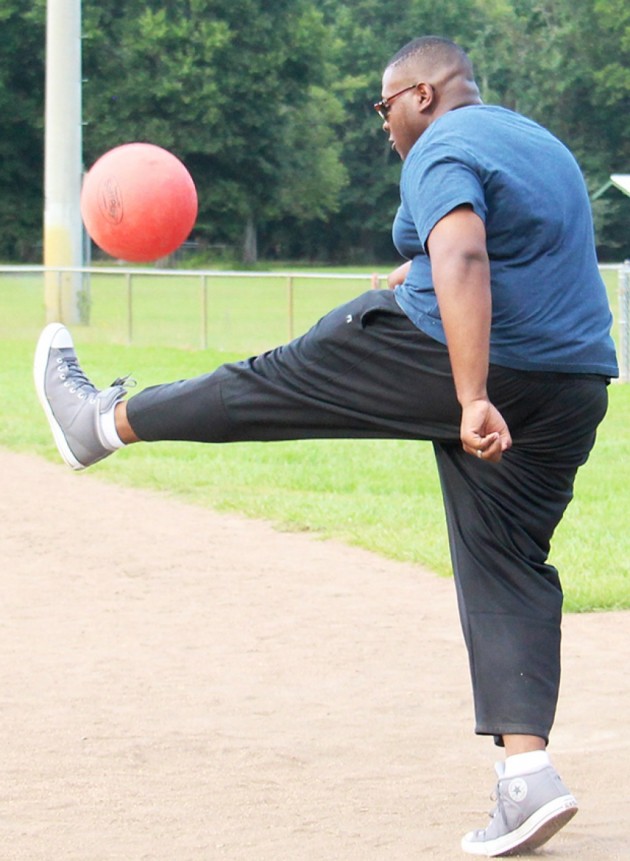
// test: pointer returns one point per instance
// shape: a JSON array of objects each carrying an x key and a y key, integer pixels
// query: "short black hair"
[{"x": 432, "y": 47}]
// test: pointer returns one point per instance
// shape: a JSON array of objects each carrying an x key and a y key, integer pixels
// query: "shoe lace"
[
  {"x": 70, "y": 370},
  {"x": 127, "y": 382},
  {"x": 498, "y": 809}
]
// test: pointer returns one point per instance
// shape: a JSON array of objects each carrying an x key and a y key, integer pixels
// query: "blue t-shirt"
[{"x": 550, "y": 310}]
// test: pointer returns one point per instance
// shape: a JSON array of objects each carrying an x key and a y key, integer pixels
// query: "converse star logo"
[{"x": 517, "y": 789}]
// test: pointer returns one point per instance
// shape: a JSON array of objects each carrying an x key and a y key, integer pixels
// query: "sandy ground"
[{"x": 181, "y": 685}]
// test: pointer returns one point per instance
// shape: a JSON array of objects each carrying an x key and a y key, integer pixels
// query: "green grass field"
[{"x": 381, "y": 495}]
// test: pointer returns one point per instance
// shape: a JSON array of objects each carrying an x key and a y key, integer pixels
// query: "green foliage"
[
  {"x": 230, "y": 88},
  {"x": 309, "y": 183},
  {"x": 269, "y": 103},
  {"x": 145, "y": 78},
  {"x": 368, "y": 34},
  {"x": 22, "y": 108}
]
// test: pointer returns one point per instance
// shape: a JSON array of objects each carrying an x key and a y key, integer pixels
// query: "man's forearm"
[
  {"x": 461, "y": 279},
  {"x": 463, "y": 292}
]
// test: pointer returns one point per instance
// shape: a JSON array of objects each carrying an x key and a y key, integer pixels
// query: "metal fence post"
[
  {"x": 204, "y": 312},
  {"x": 624, "y": 322},
  {"x": 290, "y": 306},
  {"x": 129, "y": 309}
]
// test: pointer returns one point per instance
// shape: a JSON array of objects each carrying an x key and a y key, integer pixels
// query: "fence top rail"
[
  {"x": 122, "y": 270},
  {"x": 279, "y": 273}
]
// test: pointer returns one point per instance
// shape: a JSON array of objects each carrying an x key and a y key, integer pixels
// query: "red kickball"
[{"x": 138, "y": 202}]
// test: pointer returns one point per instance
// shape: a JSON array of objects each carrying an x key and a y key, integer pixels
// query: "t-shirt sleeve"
[{"x": 437, "y": 179}]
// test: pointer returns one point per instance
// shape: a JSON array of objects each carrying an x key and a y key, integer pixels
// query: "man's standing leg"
[{"x": 501, "y": 518}]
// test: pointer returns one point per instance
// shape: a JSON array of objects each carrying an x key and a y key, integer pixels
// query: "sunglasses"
[{"x": 383, "y": 107}]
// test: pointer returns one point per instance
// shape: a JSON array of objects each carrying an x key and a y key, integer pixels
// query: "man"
[{"x": 494, "y": 344}]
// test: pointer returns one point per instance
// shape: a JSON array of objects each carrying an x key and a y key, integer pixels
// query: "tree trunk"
[{"x": 250, "y": 241}]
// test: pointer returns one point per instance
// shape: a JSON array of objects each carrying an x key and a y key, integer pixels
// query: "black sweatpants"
[{"x": 365, "y": 371}]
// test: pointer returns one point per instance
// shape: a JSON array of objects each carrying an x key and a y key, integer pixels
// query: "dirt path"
[{"x": 178, "y": 685}]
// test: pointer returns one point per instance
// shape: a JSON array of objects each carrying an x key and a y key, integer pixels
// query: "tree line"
[{"x": 269, "y": 104}]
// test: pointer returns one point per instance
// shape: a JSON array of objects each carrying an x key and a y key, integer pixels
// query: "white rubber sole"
[
  {"x": 540, "y": 827},
  {"x": 40, "y": 362}
]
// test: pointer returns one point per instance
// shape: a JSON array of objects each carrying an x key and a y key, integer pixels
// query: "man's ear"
[{"x": 426, "y": 95}]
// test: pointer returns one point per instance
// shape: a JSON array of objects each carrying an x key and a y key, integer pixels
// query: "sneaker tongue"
[{"x": 499, "y": 767}]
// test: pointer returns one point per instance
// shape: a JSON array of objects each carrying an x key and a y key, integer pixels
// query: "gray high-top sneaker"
[
  {"x": 71, "y": 402},
  {"x": 530, "y": 809}
]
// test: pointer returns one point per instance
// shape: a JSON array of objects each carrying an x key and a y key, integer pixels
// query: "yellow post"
[{"x": 63, "y": 232}]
